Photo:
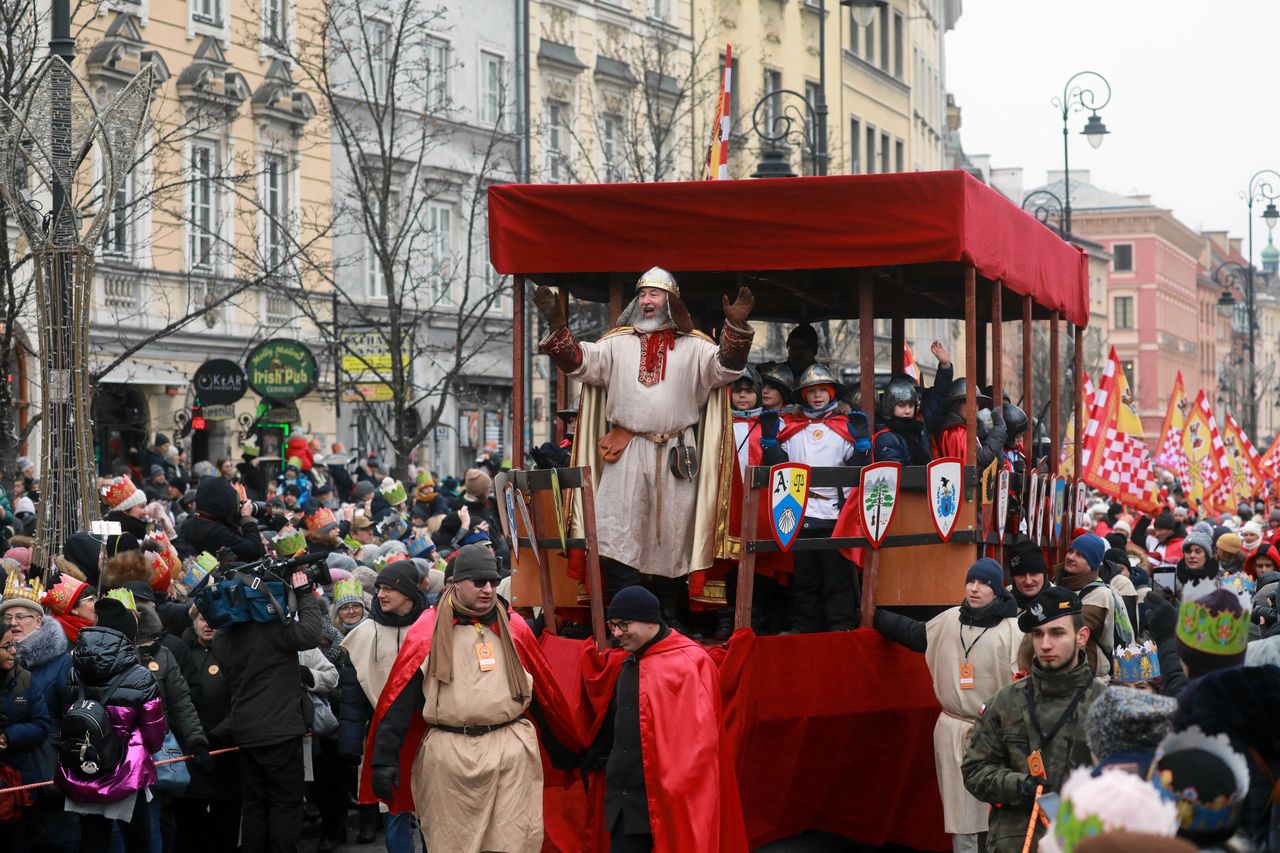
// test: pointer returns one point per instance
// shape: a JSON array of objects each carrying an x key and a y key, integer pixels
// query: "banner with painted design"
[
  {"x": 1170, "y": 454},
  {"x": 1242, "y": 462},
  {"x": 1119, "y": 462},
  {"x": 1198, "y": 438}
]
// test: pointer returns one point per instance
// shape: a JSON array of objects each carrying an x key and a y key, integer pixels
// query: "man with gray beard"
[{"x": 650, "y": 379}]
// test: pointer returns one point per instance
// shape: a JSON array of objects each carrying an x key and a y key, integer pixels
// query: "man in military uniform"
[{"x": 1031, "y": 735}]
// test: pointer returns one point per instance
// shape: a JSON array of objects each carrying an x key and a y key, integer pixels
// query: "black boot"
[
  {"x": 724, "y": 624},
  {"x": 369, "y": 822}
]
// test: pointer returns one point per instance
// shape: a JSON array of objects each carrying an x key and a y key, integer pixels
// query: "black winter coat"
[
  {"x": 211, "y": 693},
  {"x": 217, "y": 523},
  {"x": 261, "y": 662},
  {"x": 99, "y": 655},
  {"x": 353, "y": 713}
]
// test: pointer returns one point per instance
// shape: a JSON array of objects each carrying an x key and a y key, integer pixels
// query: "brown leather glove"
[
  {"x": 547, "y": 302},
  {"x": 739, "y": 310}
]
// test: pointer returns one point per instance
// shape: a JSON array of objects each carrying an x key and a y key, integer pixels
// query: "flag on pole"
[
  {"x": 1270, "y": 463},
  {"x": 1170, "y": 454},
  {"x": 1242, "y": 463},
  {"x": 1199, "y": 436},
  {"x": 1120, "y": 463},
  {"x": 717, "y": 164},
  {"x": 909, "y": 362},
  {"x": 1067, "y": 463}
]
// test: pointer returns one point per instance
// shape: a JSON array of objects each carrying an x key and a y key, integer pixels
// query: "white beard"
[{"x": 658, "y": 322}]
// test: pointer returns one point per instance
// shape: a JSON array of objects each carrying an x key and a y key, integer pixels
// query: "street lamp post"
[
  {"x": 1260, "y": 189},
  {"x": 773, "y": 164},
  {"x": 1044, "y": 205},
  {"x": 1078, "y": 96},
  {"x": 1231, "y": 276}
]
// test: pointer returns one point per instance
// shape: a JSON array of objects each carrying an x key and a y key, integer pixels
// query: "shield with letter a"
[
  {"x": 945, "y": 478},
  {"x": 788, "y": 497}
]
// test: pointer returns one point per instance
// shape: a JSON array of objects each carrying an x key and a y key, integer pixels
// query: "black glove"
[
  {"x": 1162, "y": 619},
  {"x": 201, "y": 758},
  {"x": 1027, "y": 787},
  {"x": 1265, "y": 616},
  {"x": 384, "y": 782},
  {"x": 308, "y": 677}
]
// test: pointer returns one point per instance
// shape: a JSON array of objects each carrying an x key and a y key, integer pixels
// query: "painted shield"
[
  {"x": 528, "y": 527},
  {"x": 1042, "y": 507},
  {"x": 509, "y": 521},
  {"x": 1081, "y": 498},
  {"x": 878, "y": 498},
  {"x": 945, "y": 479},
  {"x": 788, "y": 497},
  {"x": 1002, "y": 503},
  {"x": 1059, "y": 507},
  {"x": 1033, "y": 504}
]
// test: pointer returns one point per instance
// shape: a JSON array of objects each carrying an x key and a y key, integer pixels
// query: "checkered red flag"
[
  {"x": 1120, "y": 465},
  {"x": 1170, "y": 454}
]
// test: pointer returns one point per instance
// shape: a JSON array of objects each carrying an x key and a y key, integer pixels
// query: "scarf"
[
  {"x": 1075, "y": 583},
  {"x": 440, "y": 660},
  {"x": 653, "y": 355},
  {"x": 749, "y": 413},
  {"x": 819, "y": 413},
  {"x": 1024, "y": 601},
  {"x": 71, "y": 624},
  {"x": 1001, "y": 608},
  {"x": 1186, "y": 574}
]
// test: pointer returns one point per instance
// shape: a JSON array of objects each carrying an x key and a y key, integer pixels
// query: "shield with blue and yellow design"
[{"x": 788, "y": 497}]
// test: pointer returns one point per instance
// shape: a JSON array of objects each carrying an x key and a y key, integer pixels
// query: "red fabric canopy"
[
  {"x": 786, "y": 224},
  {"x": 830, "y": 731}
]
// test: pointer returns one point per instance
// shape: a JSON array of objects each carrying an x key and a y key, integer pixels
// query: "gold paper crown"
[
  {"x": 14, "y": 588},
  {"x": 61, "y": 597},
  {"x": 320, "y": 518},
  {"x": 125, "y": 597}
]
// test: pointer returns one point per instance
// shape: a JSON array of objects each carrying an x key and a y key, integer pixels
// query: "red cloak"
[
  {"x": 413, "y": 651},
  {"x": 689, "y": 775}
]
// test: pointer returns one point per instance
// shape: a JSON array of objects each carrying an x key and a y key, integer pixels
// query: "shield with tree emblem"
[{"x": 878, "y": 498}]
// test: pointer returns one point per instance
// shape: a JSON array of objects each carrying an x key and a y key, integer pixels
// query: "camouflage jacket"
[{"x": 996, "y": 761}]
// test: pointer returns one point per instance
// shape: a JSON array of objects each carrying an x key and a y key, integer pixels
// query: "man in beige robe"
[
  {"x": 658, "y": 374},
  {"x": 971, "y": 652}
]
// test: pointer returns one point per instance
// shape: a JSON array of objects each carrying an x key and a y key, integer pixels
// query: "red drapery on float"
[
  {"x": 832, "y": 732},
  {"x": 787, "y": 224}
]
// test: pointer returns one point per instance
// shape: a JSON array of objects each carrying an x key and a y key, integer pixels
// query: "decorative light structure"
[{"x": 62, "y": 204}]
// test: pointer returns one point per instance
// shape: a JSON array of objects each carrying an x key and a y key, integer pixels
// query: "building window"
[
  {"x": 275, "y": 211},
  {"x": 811, "y": 132},
  {"x": 899, "y": 156},
  {"x": 1122, "y": 257},
  {"x": 885, "y": 154},
  {"x": 440, "y": 246},
  {"x": 1123, "y": 312},
  {"x": 117, "y": 239},
  {"x": 855, "y": 137},
  {"x": 557, "y": 138},
  {"x": 898, "y": 35},
  {"x": 855, "y": 36},
  {"x": 375, "y": 275},
  {"x": 437, "y": 74},
  {"x": 202, "y": 252},
  {"x": 869, "y": 42},
  {"x": 273, "y": 22},
  {"x": 610, "y": 142},
  {"x": 870, "y": 155},
  {"x": 661, "y": 10},
  {"x": 207, "y": 12},
  {"x": 884, "y": 38},
  {"x": 379, "y": 38},
  {"x": 773, "y": 106},
  {"x": 491, "y": 96}
]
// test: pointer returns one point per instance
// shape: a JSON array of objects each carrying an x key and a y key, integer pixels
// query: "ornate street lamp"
[
  {"x": 1046, "y": 204},
  {"x": 1260, "y": 189},
  {"x": 1076, "y": 97}
]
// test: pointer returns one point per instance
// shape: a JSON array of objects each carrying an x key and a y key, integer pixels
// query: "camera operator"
[
  {"x": 270, "y": 714},
  {"x": 221, "y": 520}
]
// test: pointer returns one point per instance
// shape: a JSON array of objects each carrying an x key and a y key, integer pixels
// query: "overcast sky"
[{"x": 1193, "y": 112}]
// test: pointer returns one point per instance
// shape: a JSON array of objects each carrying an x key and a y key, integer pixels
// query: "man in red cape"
[
  {"x": 399, "y": 728},
  {"x": 660, "y": 692}
]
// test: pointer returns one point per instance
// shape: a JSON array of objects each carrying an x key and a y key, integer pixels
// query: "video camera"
[{"x": 258, "y": 591}]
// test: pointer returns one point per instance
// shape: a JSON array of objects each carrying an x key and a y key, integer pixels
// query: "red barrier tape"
[{"x": 158, "y": 763}]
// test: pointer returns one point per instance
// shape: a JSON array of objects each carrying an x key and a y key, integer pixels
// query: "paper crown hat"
[
  {"x": 1222, "y": 812},
  {"x": 1238, "y": 582},
  {"x": 195, "y": 570},
  {"x": 424, "y": 478},
  {"x": 125, "y": 597},
  {"x": 164, "y": 563},
  {"x": 1212, "y": 620},
  {"x": 240, "y": 491},
  {"x": 62, "y": 596},
  {"x": 348, "y": 592},
  {"x": 659, "y": 278},
  {"x": 288, "y": 544},
  {"x": 1112, "y": 801},
  {"x": 392, "y": 491},
  {"x": 15, "y": 588},
  {"x": 122, "y": 494},
  {"x": 320, "y": 520},
  {"x": 1136, "y": 664}
]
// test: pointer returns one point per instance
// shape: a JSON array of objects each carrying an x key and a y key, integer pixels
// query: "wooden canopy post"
[
  {"x": 867, "y": 358},
  {"x": 898, "y": 330},
  {"x": 1081, "y": 417},
  {"x": 518, "y": 401},
  {"x": 1055, "y": 394},
  {"x": 997, "y": 378},
  {"x": 1028, "y": 404},
  {"x": 595, "y": 581},
  {"x": 615, "y": 298},
  {"x": 971, "y": 366}
]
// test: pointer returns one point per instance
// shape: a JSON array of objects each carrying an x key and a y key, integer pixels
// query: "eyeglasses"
[
  {"x": 8, "y": 647},
  {"x": 618, "y": 624},
  {"x": 11, "y": 618},
  {"x": 479, "y": 583}
]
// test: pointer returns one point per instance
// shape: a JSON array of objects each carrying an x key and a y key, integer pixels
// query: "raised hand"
[
  {"x": 547, "y": 301},
  {"x": 941, "y": 354},
  {"x": 739, "y": 310}
]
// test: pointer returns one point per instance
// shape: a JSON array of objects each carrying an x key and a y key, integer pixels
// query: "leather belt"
[
  {"x": 661, "y": 439},
  {"x": 474, "y": 729}
]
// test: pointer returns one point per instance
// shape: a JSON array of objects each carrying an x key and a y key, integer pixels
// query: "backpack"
[
  {"x": 89, "y": 747},
  {"x": 1122, "y": 633}
]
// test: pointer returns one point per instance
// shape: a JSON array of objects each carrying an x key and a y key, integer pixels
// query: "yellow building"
[{"x": 232, "y": 176}]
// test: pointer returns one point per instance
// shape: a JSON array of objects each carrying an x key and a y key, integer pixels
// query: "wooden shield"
[
  {"x": 878, "y": 499},
  {"x": 945, "y": 484},
  {"x": 1002, "y": 503},
  {"x": 788, "y": 498}
]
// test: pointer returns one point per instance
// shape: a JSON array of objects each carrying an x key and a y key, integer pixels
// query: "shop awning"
[
  {"x": 809, "y": 232},
  {"x": 134, "y": 372}
]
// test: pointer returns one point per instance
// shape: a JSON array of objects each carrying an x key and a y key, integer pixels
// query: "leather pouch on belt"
[{"x": 613, "y": 442}]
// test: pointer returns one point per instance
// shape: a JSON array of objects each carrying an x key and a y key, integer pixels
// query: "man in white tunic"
[
  {"x": 658, "y": 374},
  {"x": 971, "y": 652}
]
